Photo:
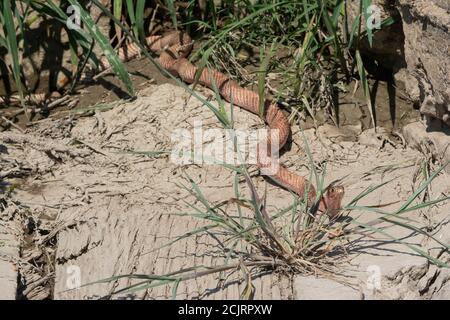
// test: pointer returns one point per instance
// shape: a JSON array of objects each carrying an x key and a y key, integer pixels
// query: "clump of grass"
[
  {"x": 292, "y": 240},
  {"x": 315, "y": 47},
  {"x": 298, "y": 247},
  {"x": 313, "y": 35}
]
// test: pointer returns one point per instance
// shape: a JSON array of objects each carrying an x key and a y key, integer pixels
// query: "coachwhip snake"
[{"x": 173, "y": 49}]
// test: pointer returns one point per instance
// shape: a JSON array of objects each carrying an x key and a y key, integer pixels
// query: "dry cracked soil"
[{"x": 76, "y": 203}]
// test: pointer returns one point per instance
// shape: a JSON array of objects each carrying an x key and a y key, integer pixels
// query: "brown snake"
[{"x": 173, "y": 49}]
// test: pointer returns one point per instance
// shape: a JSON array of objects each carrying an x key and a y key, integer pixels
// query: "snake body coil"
[{"x": 173, "y": 50}]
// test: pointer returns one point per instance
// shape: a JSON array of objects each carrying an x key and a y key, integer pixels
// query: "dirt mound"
[
  {"x": 113, "y": 210},
  {"x": 416, "y": 49}
]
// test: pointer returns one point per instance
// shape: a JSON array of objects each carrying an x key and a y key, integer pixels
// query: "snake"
[{"x": 173, "y": 50}]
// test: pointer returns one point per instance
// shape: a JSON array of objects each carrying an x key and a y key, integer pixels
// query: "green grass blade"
[
  {"x": 353, "y": 32},
  {"x": 172, "y": 12},
  {"x": 412, "y": 247},
  {"x": 365, "y": 4},
  {"x": 421, "y": 188},
  {"x": 366, "y": 89},
  {"x": 140, "y": 7},
  {"x": 117, "y": 66},
  {"x": 117, "y": 10},
  {"x": 418, "y": 230},
  {"x": 132, "y": 16},
  {"x": 332, "y": 30},
  {"x": 265, "y": 59},
  {"x": 367, "y": 191},
  {"x": 10, "y": 32}
]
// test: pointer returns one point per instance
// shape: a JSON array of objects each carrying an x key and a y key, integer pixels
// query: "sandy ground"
[{"x": 95, "y": 211}]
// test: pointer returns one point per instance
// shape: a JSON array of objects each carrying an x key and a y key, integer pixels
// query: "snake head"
[{"x": 332, "y": 200}]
